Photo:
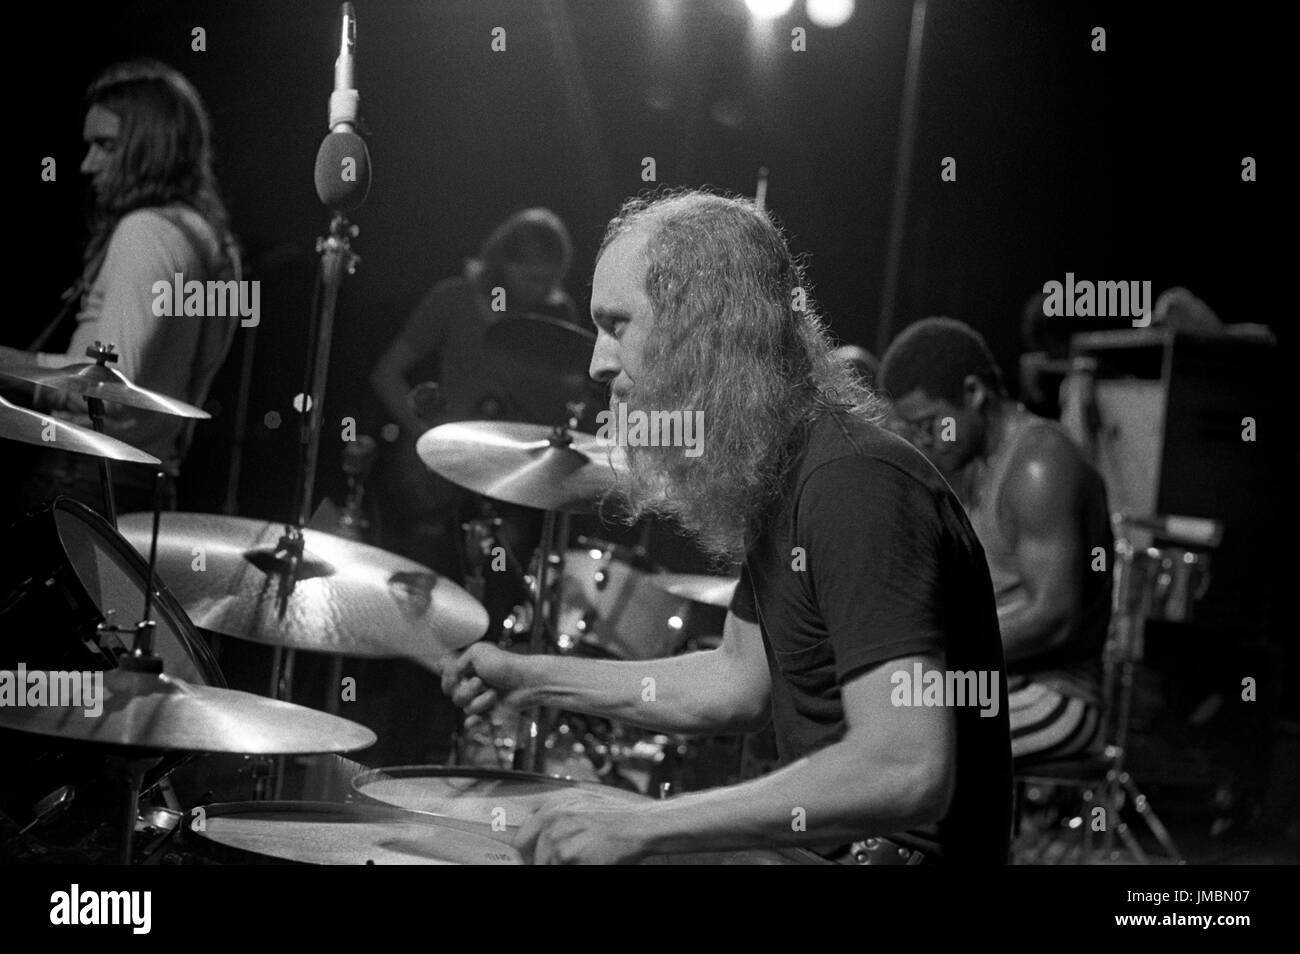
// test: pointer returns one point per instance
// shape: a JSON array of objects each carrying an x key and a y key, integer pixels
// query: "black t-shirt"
[{"x": 887, "y": 566}]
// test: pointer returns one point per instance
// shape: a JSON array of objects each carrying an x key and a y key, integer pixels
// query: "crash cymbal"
[
  {"x": 526, "y": 464},
  {"x": 350, "y": 598},
  {"x": 157, "y": 711},
  {"x": 712, "y": 590},
  {"x": 29, "y": 427},
  {"x": 94, "y": 380}
]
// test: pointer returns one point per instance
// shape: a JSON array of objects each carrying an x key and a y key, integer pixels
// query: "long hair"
[
  {"x": 736, "y": 336},
  {"x": 164, "y": 151},
  {"x": 530, "y": 234}
]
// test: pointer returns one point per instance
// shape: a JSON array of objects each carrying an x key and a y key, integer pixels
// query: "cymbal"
[
  {"x": 541, "y": 363},
  {"x": 713, "y": 590},
  {"x": 350, "y": 598},
  {"x": 94, "y": 380},
  {"x": 30, "y": 427},
  {"x": 523, "y": 464},
  {"x": 157, "y": 711}
]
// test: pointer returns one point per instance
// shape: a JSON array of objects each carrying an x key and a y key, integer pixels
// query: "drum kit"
[{"x": 126, "y": 605}]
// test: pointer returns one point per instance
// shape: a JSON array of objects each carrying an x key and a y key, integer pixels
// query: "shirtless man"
[{"x": 1040, "y": 511}]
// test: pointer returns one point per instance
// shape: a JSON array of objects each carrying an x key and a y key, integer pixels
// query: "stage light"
[
  {"x": 830, "y": 13},
  {"x": 769, "y": 9}
]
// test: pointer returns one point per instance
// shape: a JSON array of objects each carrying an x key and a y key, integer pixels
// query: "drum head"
[
  {"x": 113, "y": 576},
  {"x": 492, "y": 798},
  {"x": 321, "y": 833}
]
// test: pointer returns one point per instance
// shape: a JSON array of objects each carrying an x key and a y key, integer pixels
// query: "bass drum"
[
  {"x": 495, "y": 803},
  {"x": 64, "y": 571}
]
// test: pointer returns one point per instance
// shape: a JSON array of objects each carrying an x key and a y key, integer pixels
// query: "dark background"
[{"x": 1120, "y": 165}]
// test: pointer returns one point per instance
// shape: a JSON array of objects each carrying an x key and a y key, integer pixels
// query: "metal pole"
[{"x": 902, "y": 176}]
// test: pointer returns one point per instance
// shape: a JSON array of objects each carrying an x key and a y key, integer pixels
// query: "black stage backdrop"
[{"x": 1122, "y": 164}]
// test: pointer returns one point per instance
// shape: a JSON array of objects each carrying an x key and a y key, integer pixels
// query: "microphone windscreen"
[{"x": 343, "y": 171}]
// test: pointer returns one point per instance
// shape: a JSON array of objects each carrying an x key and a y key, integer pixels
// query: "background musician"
[
  {"x": 156, "y": 212},
  {"x": 1041, "y": 514}
]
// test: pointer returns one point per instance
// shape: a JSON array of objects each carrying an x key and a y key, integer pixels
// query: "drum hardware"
[
  {"x": 1156, "y": 582},
  {"x": 1161, "y": 582},
  {"x": 50, "y": 807}
]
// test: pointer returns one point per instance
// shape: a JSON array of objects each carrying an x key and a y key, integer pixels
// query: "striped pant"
[{"x": 1048, "y": 725}]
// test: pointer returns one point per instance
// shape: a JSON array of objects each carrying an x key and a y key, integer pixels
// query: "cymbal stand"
[
  {"x": 134, "y": 764},
  {"x": 102, "y": 353},
  {"x": 337, "y": 260},
  {"x": 535, "y": 724}
]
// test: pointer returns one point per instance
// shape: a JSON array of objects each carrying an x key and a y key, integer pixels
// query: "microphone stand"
[{"x": 337, "y": 260}]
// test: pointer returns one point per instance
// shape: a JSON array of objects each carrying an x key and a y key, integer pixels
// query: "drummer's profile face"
[{"x": 622, "y": 313}]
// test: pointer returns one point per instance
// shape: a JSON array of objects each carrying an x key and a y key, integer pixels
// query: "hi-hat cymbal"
[
  {"x": 350, "y": 598},
  {"x": 29, "y": 427},
  {"x": 712, "y": 590},
  {"x": 160, "y": 712},
  {"x": 526, "y": 464},
  {"x": 94, "y": 380}
]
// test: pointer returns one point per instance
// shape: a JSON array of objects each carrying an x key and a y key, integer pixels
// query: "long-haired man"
[
  {"x": 863, "y": 601},
  {"x": 156, "y": 213}
]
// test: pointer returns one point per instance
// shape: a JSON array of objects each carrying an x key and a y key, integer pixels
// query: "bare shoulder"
[{"x": 1045, "y": 477}]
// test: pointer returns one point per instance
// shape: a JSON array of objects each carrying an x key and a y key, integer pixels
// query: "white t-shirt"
[{"x": 176, "y": 355}]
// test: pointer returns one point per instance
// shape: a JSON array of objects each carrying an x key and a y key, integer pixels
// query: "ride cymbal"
[{"x": 349, "y": 598}]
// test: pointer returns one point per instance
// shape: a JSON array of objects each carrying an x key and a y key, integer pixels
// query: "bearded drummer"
[{"x": 863, "y": 625}]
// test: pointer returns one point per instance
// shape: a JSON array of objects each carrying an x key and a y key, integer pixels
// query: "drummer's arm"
[
  {"x": 719, "y": 690},
  {"x": 388, "y": 381},
  {"x": 894, "y": 769},
  {"x": 420, "y": 338}
]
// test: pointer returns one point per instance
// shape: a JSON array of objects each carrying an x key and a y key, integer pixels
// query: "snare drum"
[
  {"x": 325, "y": 833},
  {"x": 491, "y": 801},
  {"x": 65, "y": 570},
  {"x": 496, "y": 803}
]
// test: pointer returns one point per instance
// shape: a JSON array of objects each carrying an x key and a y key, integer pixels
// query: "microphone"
[{"x": 343, "y": 161}]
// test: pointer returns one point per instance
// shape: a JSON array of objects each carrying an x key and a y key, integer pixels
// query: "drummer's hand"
[
  {"x": 582, "y": 832},
  {"x": 480, "y": 678}
]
